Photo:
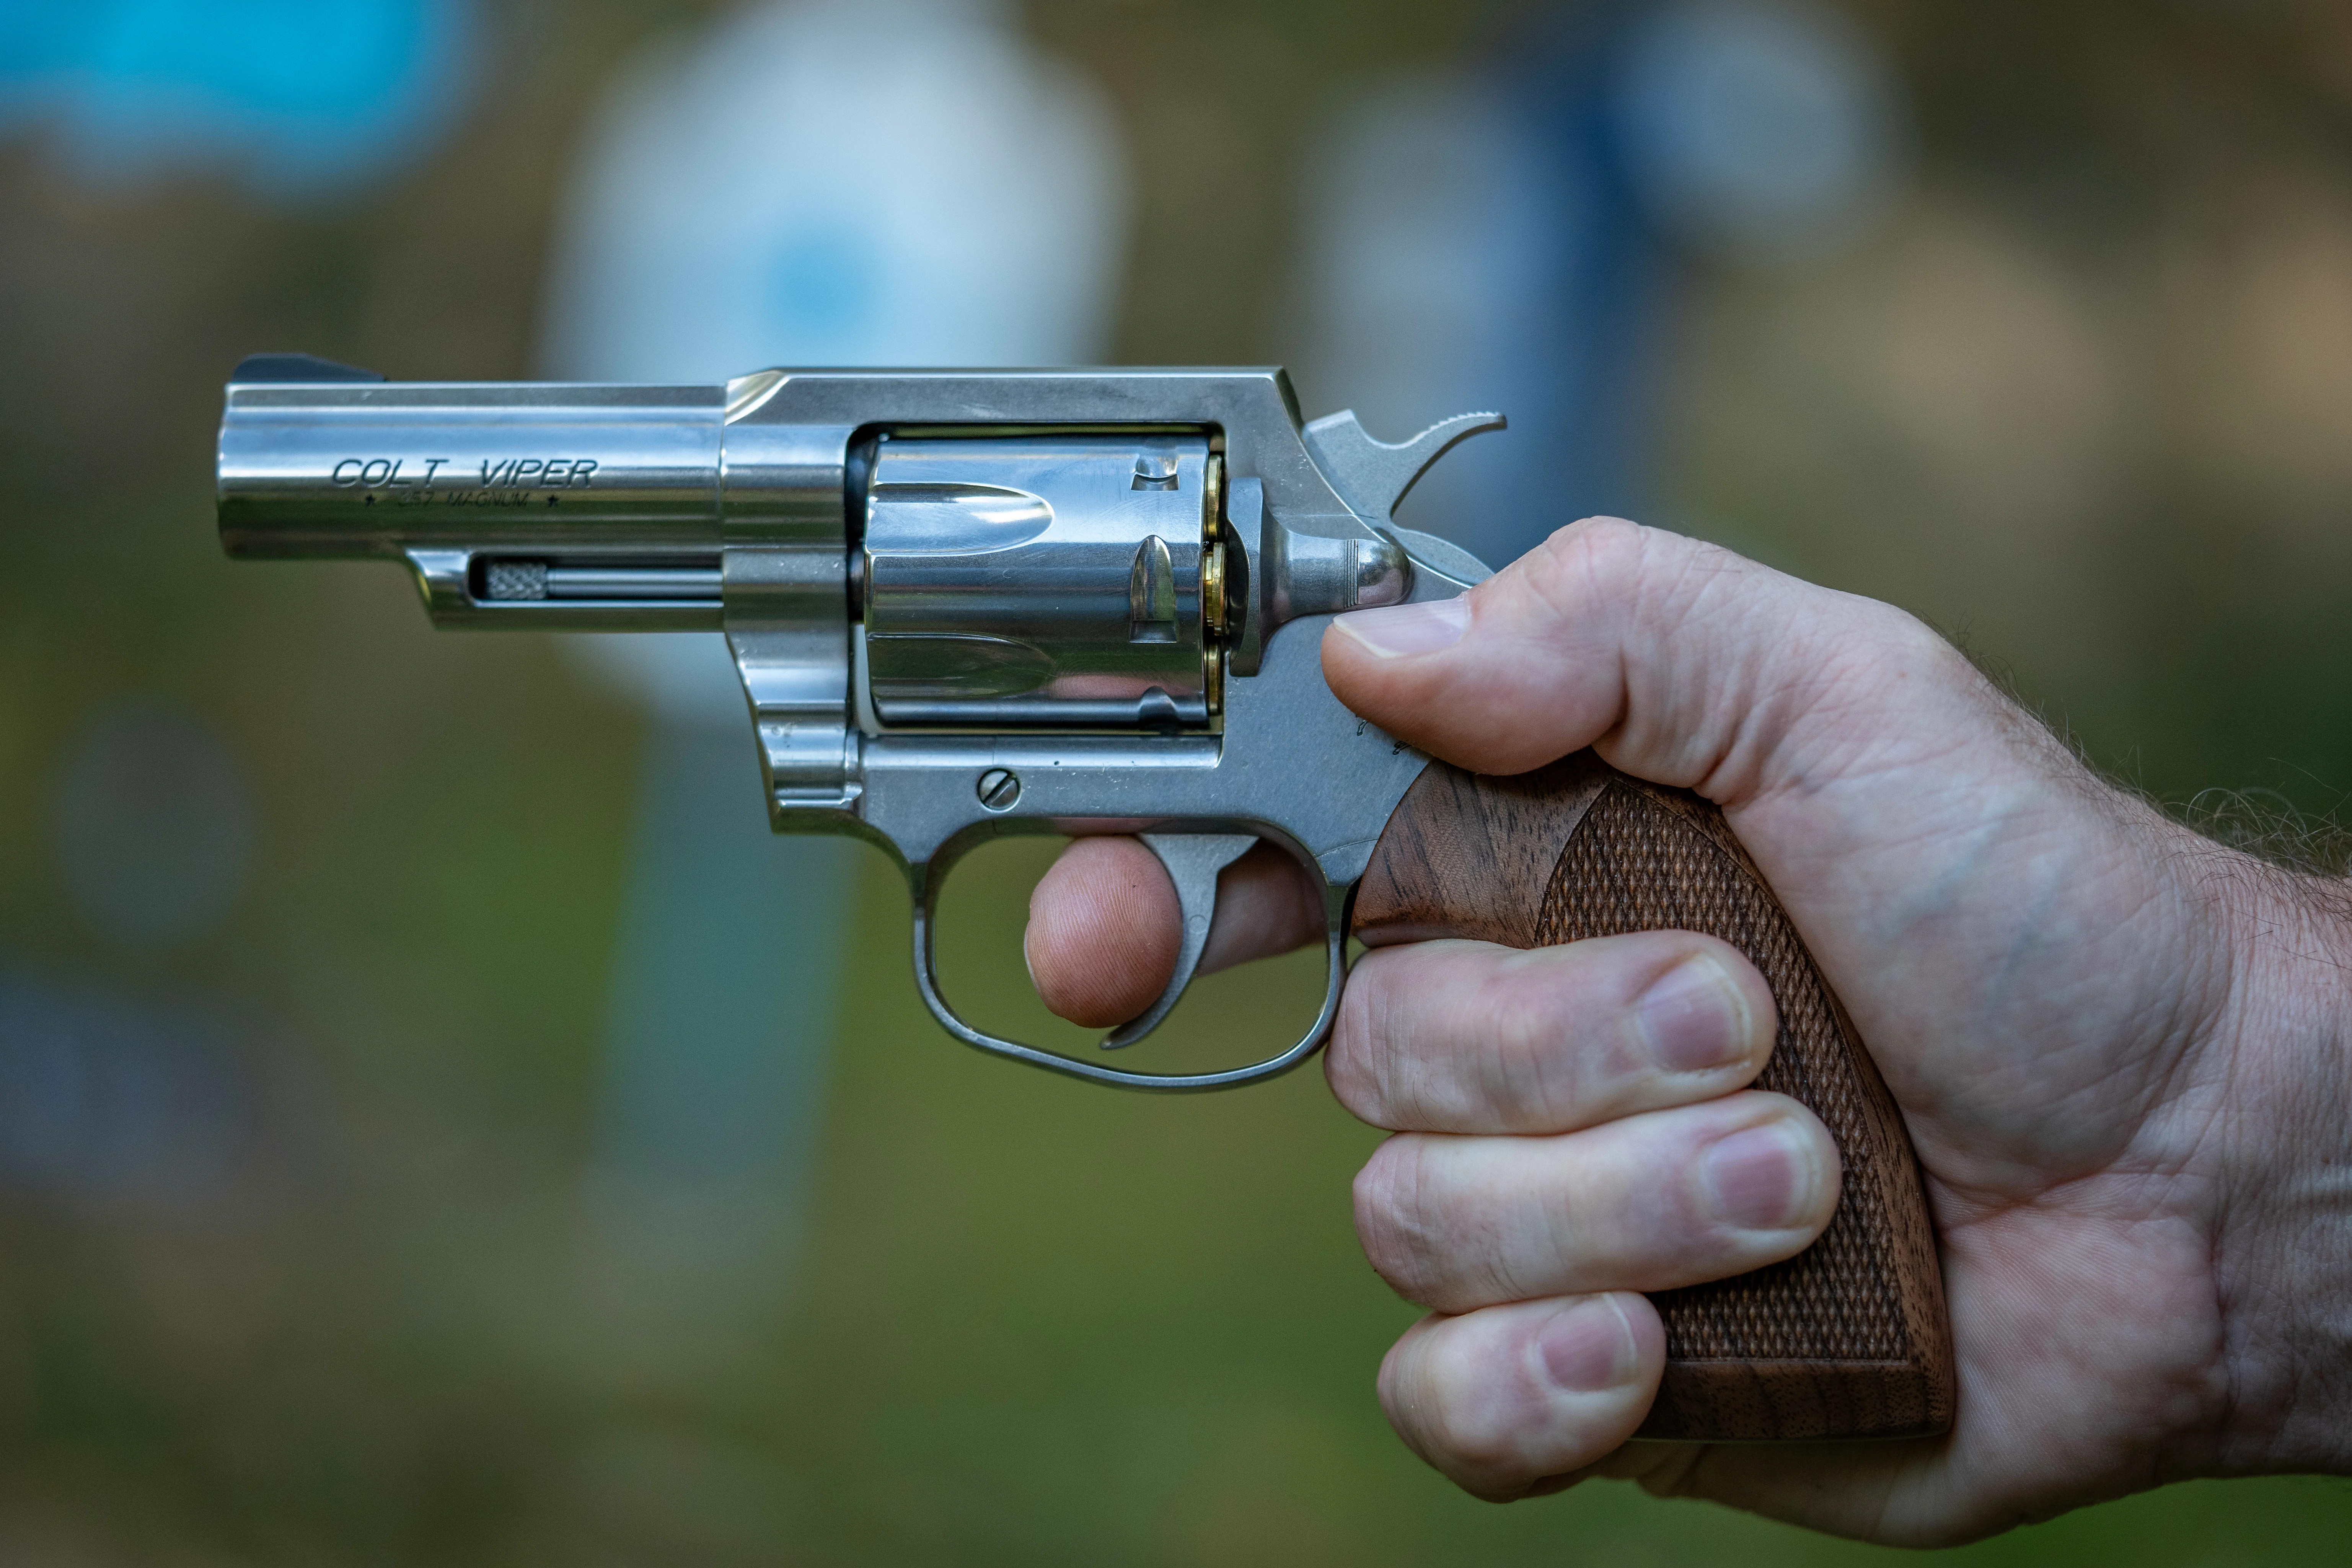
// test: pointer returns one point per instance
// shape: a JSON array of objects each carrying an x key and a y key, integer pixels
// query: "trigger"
[{"x": 1193, "y": 860}]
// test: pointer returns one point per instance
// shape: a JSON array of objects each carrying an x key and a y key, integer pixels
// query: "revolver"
[{"x": 971, "y": 603}]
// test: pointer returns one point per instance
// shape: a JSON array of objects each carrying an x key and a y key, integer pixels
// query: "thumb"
[{"x": 1677, "y": 660}]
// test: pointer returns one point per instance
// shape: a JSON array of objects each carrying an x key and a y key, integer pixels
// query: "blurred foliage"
[{"x": 2085, "y": 398}]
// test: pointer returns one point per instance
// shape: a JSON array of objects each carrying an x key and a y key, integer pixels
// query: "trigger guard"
[
  {"x": 1335, "y": 941},
  {"x": 1193, "y": 861}
]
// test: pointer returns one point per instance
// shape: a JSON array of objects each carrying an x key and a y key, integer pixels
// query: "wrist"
[{"x": 2283, "y": 1219}]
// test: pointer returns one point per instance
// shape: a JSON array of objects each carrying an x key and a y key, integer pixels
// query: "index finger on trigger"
[{"x": 1104, "y": 925}]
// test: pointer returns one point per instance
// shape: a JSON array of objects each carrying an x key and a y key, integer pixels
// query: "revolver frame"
[{"x": 740, "y": 508}]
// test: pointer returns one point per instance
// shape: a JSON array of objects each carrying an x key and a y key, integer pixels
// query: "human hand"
[{"x": 2119, "y": 1049}]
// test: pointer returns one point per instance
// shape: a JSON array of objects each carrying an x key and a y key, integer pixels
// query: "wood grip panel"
[{"x": 1848, "y": 1339}]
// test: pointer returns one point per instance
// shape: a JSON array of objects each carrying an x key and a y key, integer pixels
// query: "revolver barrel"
[{"x": 539, "y": 505}]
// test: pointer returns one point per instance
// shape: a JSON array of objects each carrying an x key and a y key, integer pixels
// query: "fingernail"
[
  {"x": 1760, "y": 1178},
  {"x": 1397, "y": 630},
  {"x": 1694, "y": 1016},
  {"x": 1589, "y": 1347}
]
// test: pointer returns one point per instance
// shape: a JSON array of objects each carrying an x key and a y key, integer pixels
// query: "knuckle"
[
  {"x": 1598, "y": 554},
  {"x": 1413, "y": 1028},
  {"x": 1909, "y": 644},
  {"x": 1361, "y": 1063},
  {"x": 1602, "y": 541},
  {"x": 1408, "y": 1395},
  {"x": 1392, "y": 1222},
  {"x": 1347, "y": 1067},
  {"x": 1647, "y": 574}
]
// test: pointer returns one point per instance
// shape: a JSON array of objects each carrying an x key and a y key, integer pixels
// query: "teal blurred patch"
[
  {"x": 822, "y": 291},
  {"x": 297, "y": 96}
]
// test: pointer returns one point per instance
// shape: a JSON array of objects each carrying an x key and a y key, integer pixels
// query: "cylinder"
[{"x": 1038, "y": 580}]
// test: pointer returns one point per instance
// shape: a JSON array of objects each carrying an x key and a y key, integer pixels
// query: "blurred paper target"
[
  {"x": 841, "y": 182},
  {"x": 1764, "y": 131},
  {"x": 114, "y": 1099},
  {"x": 109, "y": 1097},
  {"x": 1508, "y": 235},
  {"x": 299, "y": 96},
  {"x": 1445, "y": 236},
  {"x": 892, "y": 182}
]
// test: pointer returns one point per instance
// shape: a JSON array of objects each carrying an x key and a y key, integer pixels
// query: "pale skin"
[{"x": 2121, "y": 1050}]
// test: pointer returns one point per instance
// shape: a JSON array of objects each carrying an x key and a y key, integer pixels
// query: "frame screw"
[{"x": 999, "y": 788}]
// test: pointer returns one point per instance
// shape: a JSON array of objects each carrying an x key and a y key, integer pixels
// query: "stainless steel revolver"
[
  {"x": 974, "y": 603},
  {"x": 963, "y": 603}
]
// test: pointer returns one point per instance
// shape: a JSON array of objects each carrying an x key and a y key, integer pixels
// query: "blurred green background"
[{"x": 2083, "y": 398}]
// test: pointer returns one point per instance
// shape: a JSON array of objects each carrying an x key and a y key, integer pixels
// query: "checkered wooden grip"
[{"x": 1848, "y": 1339}]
